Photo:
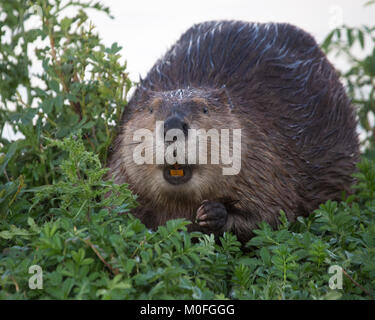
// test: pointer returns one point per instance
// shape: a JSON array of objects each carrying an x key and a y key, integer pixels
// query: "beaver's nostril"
[
  {"x": 185, "y": 128},
  {"x": 175, "y": 122}
]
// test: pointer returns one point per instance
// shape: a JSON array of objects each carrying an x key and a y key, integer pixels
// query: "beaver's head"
[{"x": 166, "y": 120}]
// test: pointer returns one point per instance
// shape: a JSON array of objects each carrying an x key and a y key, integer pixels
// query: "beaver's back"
[
  {"x": 232, "y": 53},
  {"x": 278, "y": 64}
]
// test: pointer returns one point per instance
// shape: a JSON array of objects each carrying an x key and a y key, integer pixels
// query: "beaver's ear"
[
  {"x": 138, "y": 101},
  {"x": 225, "y": 96},
  {"x": 141, "y": 96},
  {"x": 142, "y": 93}
]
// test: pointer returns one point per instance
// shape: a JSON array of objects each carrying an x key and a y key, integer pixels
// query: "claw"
[{"x": 211, "y": 215}]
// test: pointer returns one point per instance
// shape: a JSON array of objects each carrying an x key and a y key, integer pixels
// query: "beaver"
[{"x": 299, "y": 145}]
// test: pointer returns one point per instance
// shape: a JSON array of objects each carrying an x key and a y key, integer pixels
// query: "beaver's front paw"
[{"x": 212, "y": 216}]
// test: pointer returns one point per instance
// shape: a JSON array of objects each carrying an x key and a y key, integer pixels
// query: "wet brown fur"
[{"x": 299, "y": 145}]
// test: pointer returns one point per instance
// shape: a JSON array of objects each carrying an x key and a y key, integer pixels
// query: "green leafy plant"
[
  {"x": 82, "y": 85},
  {"x": 357, "y": 46},
  {"x": 88, "y": 245}
]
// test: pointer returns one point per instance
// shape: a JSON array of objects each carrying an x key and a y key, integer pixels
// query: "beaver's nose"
[{"x": 175, "y": 122}]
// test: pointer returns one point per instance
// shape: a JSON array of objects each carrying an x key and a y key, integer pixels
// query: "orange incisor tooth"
[{"x": 176, "y": 173}]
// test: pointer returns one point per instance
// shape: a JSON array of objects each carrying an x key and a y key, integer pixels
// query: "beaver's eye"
[
  {"x": 205, "y": 110},
  {"x": 151, "y": 110}
]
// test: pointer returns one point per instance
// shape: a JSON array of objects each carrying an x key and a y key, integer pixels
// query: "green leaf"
[{"x": 9, "y": 155}]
